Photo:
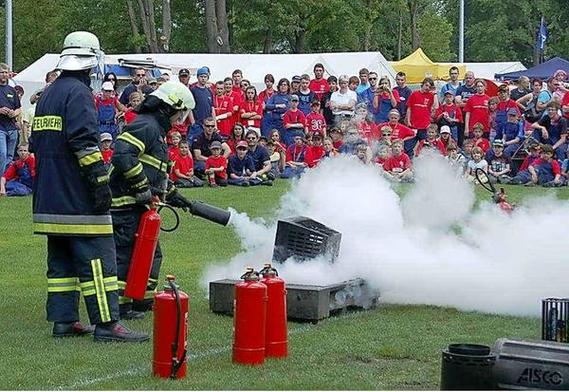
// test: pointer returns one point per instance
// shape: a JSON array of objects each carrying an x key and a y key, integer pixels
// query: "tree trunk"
[
  {"x": 152, "y": 47},
  {"x": 267, "y": 42},
  {"x": 166, "y": 25},
  {"x": 400, "y": 37},
  {"x": 211, "y": 26},
  {"x": 300, "y": 39},
  {"x": 414, "y": 14},
  {"x": 222, "y": 26},
  {"x": 133, "y": 24},
  {"x": 152, "y": 24}
]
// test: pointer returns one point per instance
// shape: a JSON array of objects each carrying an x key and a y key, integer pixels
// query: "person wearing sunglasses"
[{"x": 138, "y": 84}]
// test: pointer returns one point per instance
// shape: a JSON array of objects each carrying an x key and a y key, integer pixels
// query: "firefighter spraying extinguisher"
[
  {"x": 276, "y": 336},
  {"x": 249, "y": 318},
  {"x": 170, "y": 331}
]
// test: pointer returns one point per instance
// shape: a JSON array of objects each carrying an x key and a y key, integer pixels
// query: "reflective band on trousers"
[
  {"x": 100, "y": 292},
  {"x": 61, "y": 285},
  {"x": 73, "y": 224}
]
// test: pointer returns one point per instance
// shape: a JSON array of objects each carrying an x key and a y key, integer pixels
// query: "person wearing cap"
[
  {"x": 241, "y": 168},
  {"x": 72, "y": 199},
  {"x": 138, "y": 84},
  {"x": 343, "y": 101},
  {"x": 204, "y": 103},
  {"x": 499, "y": 165},
  {"x": 184, "y": 77},
  {"x": 295, "y": 84},
  {"x": 505, "y": 103},
  {"x": 294, "y": 121},
  {"x": 512, "y": 133},
  {"x": 446, "y": 138},
  {"x": 108, "y": 108},
  {"x": 450, "y": 115},
  {"x": 105, "y": 146},
  {"x": 139, "y": 179},
  {"x": 216, "y": 166},
  {"x": 10, "y": 109}
]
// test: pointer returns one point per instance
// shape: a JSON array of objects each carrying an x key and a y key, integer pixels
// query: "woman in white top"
[{"x": 343, "y": 101}]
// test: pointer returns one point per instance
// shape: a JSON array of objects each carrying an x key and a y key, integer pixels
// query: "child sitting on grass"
[
  {"x": 241, "y": 169},
  {"x": 456, "y": 159},
  {"x": 398, "y": 167},
  {"x": 216, "y": 166},
  {"x": 173, "y": 149},
  {"x": 277, "y": 159},
  {"x": 467, "y": 147},
  {"x": 329, "y": 150},
  {"x": 183, "y": 170},
  {"x": 296, "y": 157},
  {"x": 431, "y": 142},
  {"x": 477, "y": 162},
  {"x": 479, "y": 139},
  {"x": 383, "y": 153},
  {"x": 499, "y": 165},
  {"x": 19, "y": 177},
  {"x": 545, "y": 170}
]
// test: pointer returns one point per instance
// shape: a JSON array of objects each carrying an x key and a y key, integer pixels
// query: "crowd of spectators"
[{"x": 239, "y": 136}]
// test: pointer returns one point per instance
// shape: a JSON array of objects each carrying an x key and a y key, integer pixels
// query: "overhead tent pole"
[
  {"x": 9, "y": 33},
  {"x": 461, "y": 33}
]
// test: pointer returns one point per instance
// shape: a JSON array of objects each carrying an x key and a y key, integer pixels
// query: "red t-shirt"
[
  {"x": 565, "y": 102},
  {"x": 217, "y": 162},
  {"x": 238, "y": 97},
  {"x": 173, "y": 153},
  {"x": 483, "y": 143},
  {"x": 107, "y": 155},
  {"x": 293, "y": 117},
  {"x": 224, "y": 104},
  {"x": 437, "y": 143},
  {"x": 265, "y": 95},
  {"x": 477, "y": 106},
  {"x": 380, "y": 160},
  {"x": 508, "y": 104},
  {"x": 368, "y": 131},
  {"x": 337, "y": 144},
  {"x": 319, "y": 87},
  {"x": 421, "y": 105},
  {"x": 129, "y": 116},
  {"x": 246, "y": 107},
  {"x": 296, "y": 153},
  {"x": 183, "y": 164},
  {"x": 314, "y": 154},
  {"x": 452, "y": 110},
  {"x": 315, "y": 122},
  {"x": 106, "y": 102},
  {"x": 11, "y": 172},
  {"x": 398, "y": 131},
  {"x": 398, "y": 163}
]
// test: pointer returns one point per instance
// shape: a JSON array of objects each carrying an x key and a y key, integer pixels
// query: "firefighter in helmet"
[
  {"x": 72, "y": 200},
  {"x": 139, "y": 178}
]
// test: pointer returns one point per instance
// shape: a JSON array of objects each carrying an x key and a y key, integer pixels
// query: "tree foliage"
[{"x": 496, "y": 30}]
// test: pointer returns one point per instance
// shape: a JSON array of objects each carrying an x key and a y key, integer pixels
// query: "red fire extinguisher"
[
  {"x": 249, "y": 319},
  {"x": 146, "y": 240},
  {"x": 170, "y": 330},
  {"x": 276, "y": 337}
]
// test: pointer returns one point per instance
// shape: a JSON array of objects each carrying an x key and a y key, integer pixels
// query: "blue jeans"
[{"x": 8, "y": 140}]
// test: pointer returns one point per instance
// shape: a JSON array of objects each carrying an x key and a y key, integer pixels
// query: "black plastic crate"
[
  {"x": 555, "y": 319},
  {"x": 305, "y": 238}
]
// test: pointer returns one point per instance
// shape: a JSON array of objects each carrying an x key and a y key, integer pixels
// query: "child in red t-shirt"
[
  {"x": 479, "y": 140},
  {"x": 294, "y": 122},
  {"x": 105, "y": 147},
  {"x": 216, "y": 166},
  {"x": 223, "y": 104},
  {"x": 337, "y": 138},
  {"x": 448, "y": 113},
  {"x": 182, "y": 174},
  {"x": 382, "y": 155},
  {"x": 19, "y": 176},
  {"x": 431, "y": 141},
  {"x": 173, "y": 149},
  {"x": 315, "y": 121},
  {"x": 398, "y": 166},
  {"x": 134, "y": 101}
]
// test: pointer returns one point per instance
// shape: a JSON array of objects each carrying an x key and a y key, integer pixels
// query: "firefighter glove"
[
  {"x": 143, "y": 197},
  {"x": 175, "y": 199},
  {"x": 102, "y": 198}
]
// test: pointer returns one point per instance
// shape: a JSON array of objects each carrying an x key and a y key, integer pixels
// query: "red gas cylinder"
[
  {"x": 170, "y": 331},
  {"x": 146, "y": 239},
  {"x": 249, "y": 319},
  {"x": 276, "y": 336}
]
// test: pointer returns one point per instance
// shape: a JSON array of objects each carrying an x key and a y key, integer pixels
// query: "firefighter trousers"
[
  {"x": 125, "y": 226},
  {"x": 81, "y": 265}
]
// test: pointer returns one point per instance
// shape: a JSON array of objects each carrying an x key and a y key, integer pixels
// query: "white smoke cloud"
[{"x": 429, "y": 248}]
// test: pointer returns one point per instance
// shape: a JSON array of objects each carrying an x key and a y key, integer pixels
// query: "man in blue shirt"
[
  {"x": 452, "y": 85},
  {"x": 10, "y": 108},
  {"x": 364, "y": 81},
  {"x": 204, "y": 103},
  {"x": 261, "y": 158},
  {"x": 404, "y": 93},
  {"x": 138, "y": 84}
]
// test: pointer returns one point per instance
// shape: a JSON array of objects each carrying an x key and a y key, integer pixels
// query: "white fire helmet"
[
  {"x": 81, "y": 51},
  {"x": 176, "y": 95}
]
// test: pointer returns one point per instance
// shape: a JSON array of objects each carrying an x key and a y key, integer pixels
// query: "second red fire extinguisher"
[
  {"x": 145, "y": 244},
  {"x": 276, "y": 337},
  {"x": 249, "y": 318},
  {"x": 170, "y": 331}
]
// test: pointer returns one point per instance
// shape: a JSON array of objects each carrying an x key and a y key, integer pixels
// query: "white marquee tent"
[{"x": 254, "y": 66}]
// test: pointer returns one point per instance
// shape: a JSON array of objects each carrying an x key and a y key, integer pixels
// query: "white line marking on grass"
[{"x": 134, "y": 371}]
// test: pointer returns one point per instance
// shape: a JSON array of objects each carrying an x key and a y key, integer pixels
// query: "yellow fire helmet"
[{"x": 176, "y": 95}]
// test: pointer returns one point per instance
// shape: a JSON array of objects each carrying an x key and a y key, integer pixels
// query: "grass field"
[{"x": 392, "y": 347}]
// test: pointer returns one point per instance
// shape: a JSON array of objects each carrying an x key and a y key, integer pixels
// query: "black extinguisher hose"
[{"x": 177, "y": 363}]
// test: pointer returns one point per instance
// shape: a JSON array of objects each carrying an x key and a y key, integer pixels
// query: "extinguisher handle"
[{"x": 176, "y": 217}]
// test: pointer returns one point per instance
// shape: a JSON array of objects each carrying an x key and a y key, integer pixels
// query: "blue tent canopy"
[{"x": 542, "y": 71}]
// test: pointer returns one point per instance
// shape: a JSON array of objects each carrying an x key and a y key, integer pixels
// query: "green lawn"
[{"x": 392, "y": 347}]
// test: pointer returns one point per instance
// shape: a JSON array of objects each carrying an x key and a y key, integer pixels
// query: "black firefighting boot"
[
  {"x": 116, "y": 332},
  {"x": 132, "y": 315},
  {"x": 64, "y": 330}
]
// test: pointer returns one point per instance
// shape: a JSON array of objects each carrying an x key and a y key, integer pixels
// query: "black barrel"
[
  {"x": 467, "y": 367},
  {"x": 209, "y": 212}
]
